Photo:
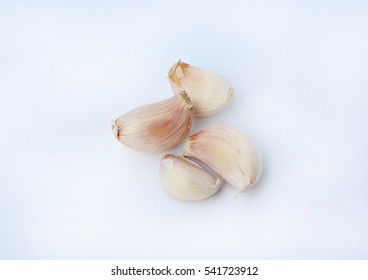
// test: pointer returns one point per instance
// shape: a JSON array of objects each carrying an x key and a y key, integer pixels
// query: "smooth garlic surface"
[
  {"x": 155, "y": 127},
  {"x": 229, "y": 152},
  {"x": 186, "y": 180},
  {"x": 209, "y": 92}
]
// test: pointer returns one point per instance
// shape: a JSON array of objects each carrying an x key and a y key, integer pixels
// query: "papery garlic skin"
[
  {"x": 209, "y": 92},
  {"x": 186, "y": 180},
  {"x": 155, "y": 127},
  {"x": 229, "y": 152}
]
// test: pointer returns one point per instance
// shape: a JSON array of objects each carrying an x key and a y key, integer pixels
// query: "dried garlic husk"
[
  {"x": 229, "y": 152},
  {"x": 209, "y": 92},
  {"x": 155, "y": 127},
  {"x": 186, "y": 180}
]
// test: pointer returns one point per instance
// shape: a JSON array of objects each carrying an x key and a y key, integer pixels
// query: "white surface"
[{"x": 68, "y": 189}]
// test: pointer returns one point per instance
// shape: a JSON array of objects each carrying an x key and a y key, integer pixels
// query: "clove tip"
[{"x": 114, "y": 129}]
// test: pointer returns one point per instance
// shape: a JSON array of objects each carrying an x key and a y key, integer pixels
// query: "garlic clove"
[
  {"x": 186, "y": 180},
  {"x": 229, "y": 152},
  {"x": 155, "y": 127},
  {"x": 209, "y": 92}
]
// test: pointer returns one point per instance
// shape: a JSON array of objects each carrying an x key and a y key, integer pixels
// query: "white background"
[{"x": 69, "y": 190}]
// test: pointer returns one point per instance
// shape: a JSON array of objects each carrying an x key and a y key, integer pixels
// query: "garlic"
[
  {"x": 155, "y": 127},
  {"x": 186, "y": 180},
  {"x": 209, "y": 92},
  {"x": 229, "y": 152}
]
